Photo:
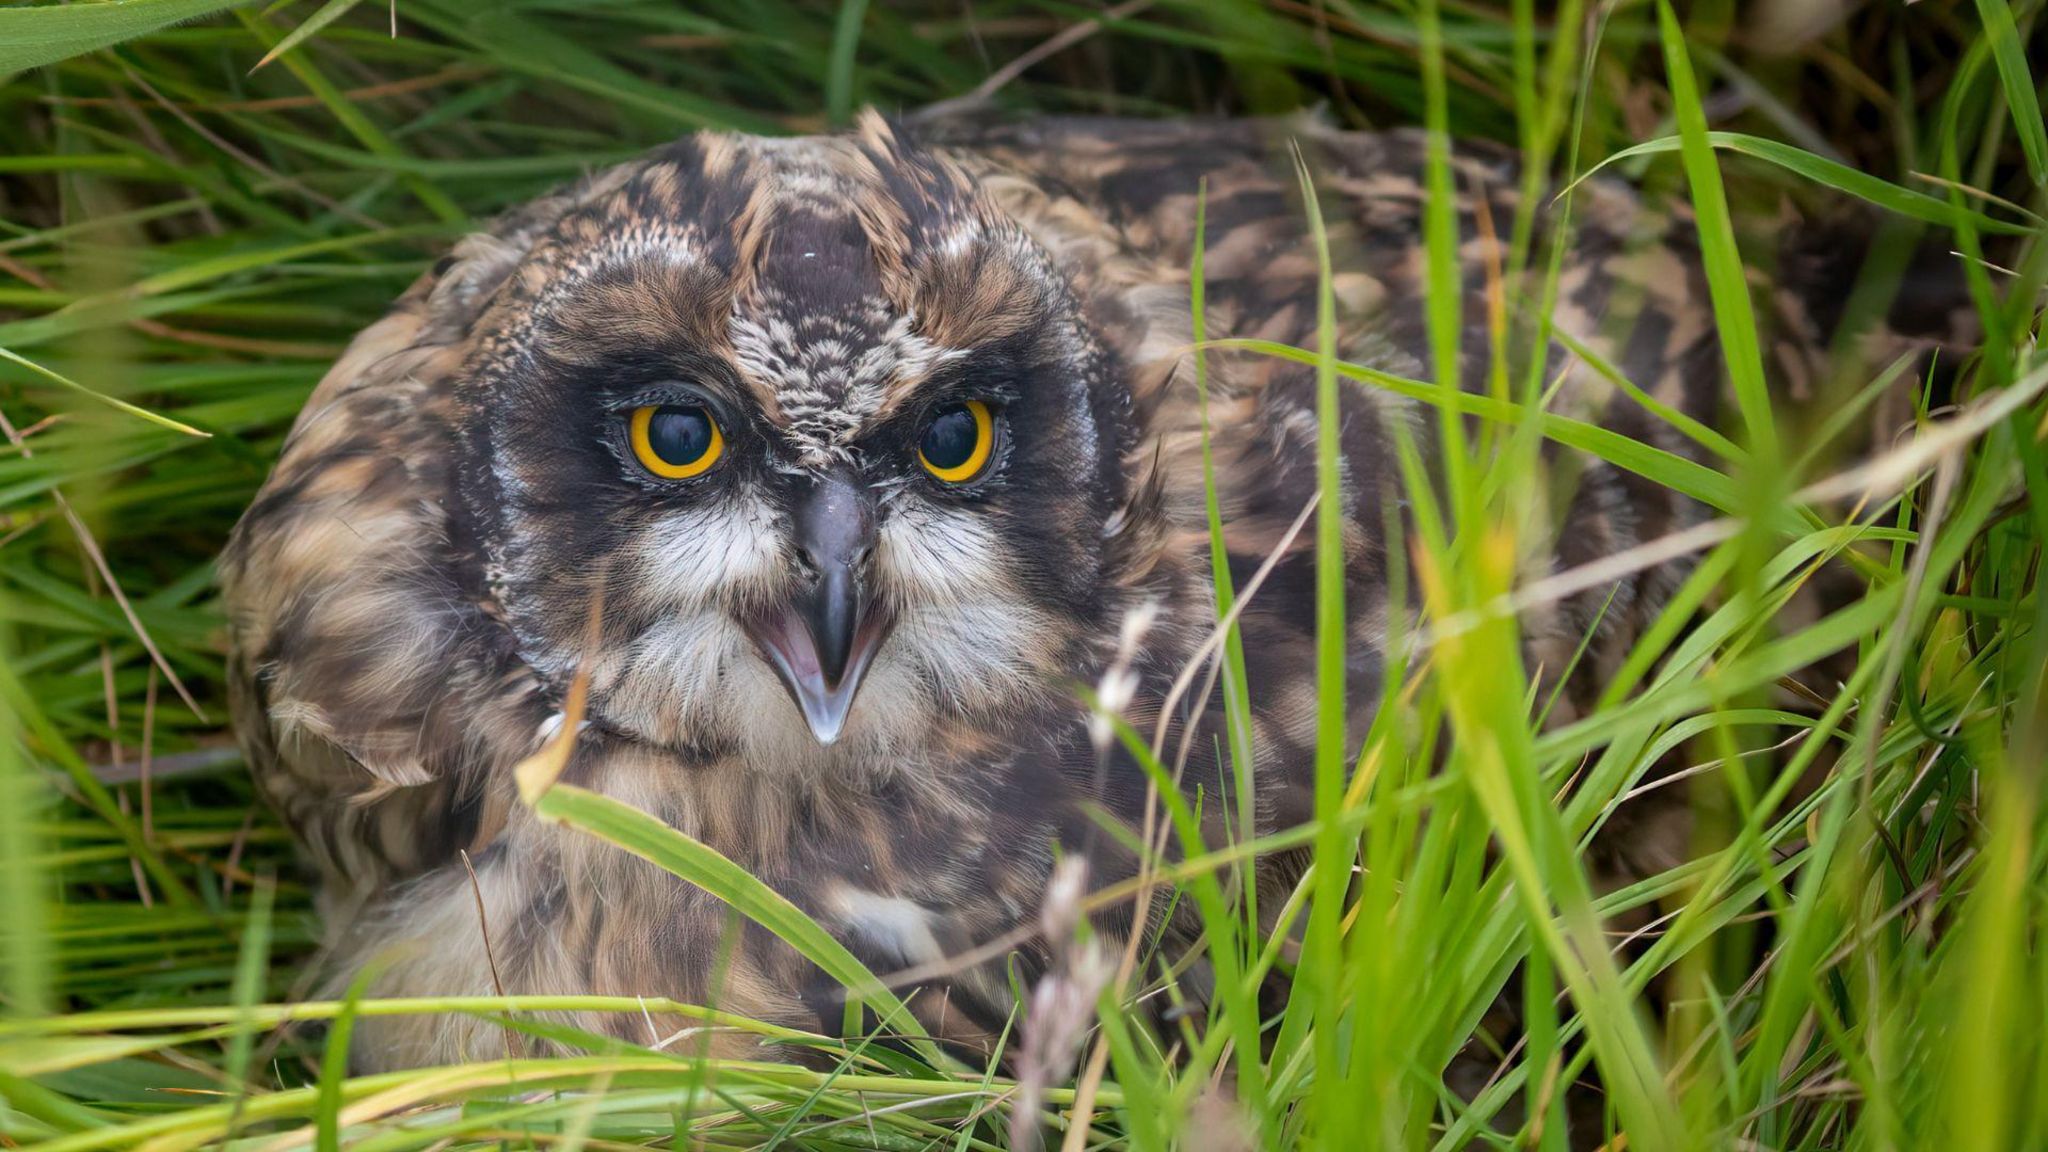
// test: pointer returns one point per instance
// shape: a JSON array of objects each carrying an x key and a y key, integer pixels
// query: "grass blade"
[
  {"x": 328, "y": 13},
  {"x": 36, "y": 36},
  {"x": 2021, "y": 98},
  {"x": 252, "y": 969},
  {"x": 1826, "y": 173},
  {"x": 1741, "y": 351},
  {"x": 700, "y": 864},
  {"x": 115, "y": 403},
  {"x": 839, "y": 68}
]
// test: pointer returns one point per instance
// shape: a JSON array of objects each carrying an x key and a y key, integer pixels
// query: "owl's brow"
[
  {"x": 940, "y": 274},
  {"x": 648, "y": 297}
]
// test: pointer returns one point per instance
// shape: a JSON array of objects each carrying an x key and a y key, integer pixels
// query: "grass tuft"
[{"x": 200, "y": 202}]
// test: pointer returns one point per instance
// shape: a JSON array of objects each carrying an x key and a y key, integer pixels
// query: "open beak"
[{"x": 822, "y": 641}]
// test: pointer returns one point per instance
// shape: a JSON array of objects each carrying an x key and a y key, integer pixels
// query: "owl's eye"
[
  {"x": 958, "y": 442},
  {"x": 676, "y": 441}
]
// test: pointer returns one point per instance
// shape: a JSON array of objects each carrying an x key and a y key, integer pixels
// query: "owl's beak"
[
  {"x": 821, "y": 643},
  {"x": 822, "y": 667}
]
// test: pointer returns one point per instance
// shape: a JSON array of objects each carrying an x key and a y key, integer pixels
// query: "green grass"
[{"x": 1849, "y": 957}]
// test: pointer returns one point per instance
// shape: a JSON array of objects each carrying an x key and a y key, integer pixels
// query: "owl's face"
[{"x": 824, "y": 440}]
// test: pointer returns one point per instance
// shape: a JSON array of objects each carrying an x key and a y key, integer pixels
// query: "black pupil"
[
  {"x": 679, "y": 435},
  {"x": 950, "y": 440}
]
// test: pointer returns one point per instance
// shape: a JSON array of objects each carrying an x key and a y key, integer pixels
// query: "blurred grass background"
[{"x": 1855, "y": 963}]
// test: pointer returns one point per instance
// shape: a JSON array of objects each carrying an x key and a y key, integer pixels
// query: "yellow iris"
[
  {"x": 957, "y": 444},
  {"x": 676, "y": 442}
]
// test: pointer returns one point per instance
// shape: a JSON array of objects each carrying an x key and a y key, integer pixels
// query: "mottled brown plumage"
[{"x": 410, "y": 591}]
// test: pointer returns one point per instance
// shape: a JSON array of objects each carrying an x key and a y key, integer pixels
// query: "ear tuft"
[{"x": 877, "y": 136}]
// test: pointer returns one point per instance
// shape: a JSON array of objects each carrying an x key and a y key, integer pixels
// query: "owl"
[{"x": 844, "y": 468}]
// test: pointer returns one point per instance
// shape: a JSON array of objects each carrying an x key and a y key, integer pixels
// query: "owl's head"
[{"x": 825, "y": 434}]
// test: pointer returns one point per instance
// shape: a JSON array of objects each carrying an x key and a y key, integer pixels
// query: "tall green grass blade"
[
  {"x": 2022, "y": 97},
  {"x": 1646, "y": 460},
  {"x": 1826, "y": 173},
  {"x": 1445, "y": 287},
  {"x": 1742, "y": 353},
  {"x": 23, "y": 899},
  {"x": 1241, "y": 1014},
  {"x": 839, "y": 67},
  {"x": 306, "y": 29},
  {"x": 252, "y": 971},
  {"x": 1322, "y": 949},
  {"x": 31, "y": 37},
  {"x": 692, "y": 860},
  {"x": 334, "y": 1065},
  {"x": 116, "y": 404}
]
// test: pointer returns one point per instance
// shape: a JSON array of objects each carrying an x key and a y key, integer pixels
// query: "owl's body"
[{"x": 857, "y": 677}]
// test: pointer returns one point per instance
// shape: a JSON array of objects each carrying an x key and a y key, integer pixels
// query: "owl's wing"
[
  {"x": 374, "y": 691},
  {"x": 1115, "y": 201}
]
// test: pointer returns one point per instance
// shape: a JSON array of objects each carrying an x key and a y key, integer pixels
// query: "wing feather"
[{"x": 376, "y": 694}]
